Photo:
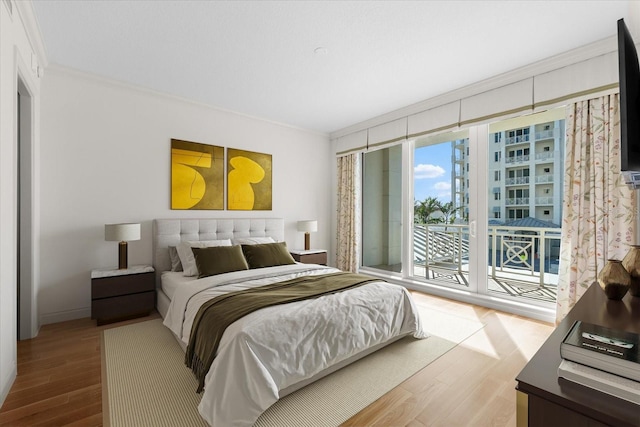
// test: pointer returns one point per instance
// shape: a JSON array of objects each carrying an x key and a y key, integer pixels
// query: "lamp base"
[
  {"x": 122, "y": 256},
  {"x": 307, "y": 241}
]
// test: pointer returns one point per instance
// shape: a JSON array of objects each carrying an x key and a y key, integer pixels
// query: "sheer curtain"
[
  {"x": 348, "y": 228},
  {"x": 599, "y": 211}
]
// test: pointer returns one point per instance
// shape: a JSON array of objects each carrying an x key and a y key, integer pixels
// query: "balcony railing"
[
  {"x": 544, "y": 200},
  {"x": 544, "y": 178},
  {"x": 545, "y": 155},
  {"x": 519, "y": 180},
  {"x": 517, "y": 201},
  {"x": 522, "y": 254},
  {"x": 517, "y": 159},
  {"x": 516, "y": 139},
  {"x": 545, "y": 134}
]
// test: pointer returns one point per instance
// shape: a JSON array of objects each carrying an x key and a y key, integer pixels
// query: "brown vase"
[
  {"x": 614, "y": 279},
  {"x": 631, "y": 263}
]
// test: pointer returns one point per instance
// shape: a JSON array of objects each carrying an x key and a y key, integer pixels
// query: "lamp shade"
[
  {"x": 121, "y": 232},
  {"x": 308, "y": 226}
]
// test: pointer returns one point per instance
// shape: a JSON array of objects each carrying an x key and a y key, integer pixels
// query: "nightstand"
[
  {"x": 122, "y": 294},
  {"x": 313, "y": 256}
]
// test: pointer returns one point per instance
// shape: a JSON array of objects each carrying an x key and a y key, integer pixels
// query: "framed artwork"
[
  {"x": 249, "y": 180},
  {"x": 197, "y": 176}
]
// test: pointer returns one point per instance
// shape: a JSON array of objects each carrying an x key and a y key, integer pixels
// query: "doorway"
[{"x": 26, "y": 324}]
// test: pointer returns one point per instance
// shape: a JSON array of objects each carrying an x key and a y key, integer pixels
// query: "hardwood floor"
[{"x": 59, "y": 375}]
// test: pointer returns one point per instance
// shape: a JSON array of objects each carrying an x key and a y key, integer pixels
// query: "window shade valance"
[
  {"x": 388, "y": 133},
  {"x": 500, "y": 103},
  {"x": 587, "y": 78},
  {"x": 444, "y": 117},
  {"x": 352, "y": 143},
  {"x": 574, "y": 78}
]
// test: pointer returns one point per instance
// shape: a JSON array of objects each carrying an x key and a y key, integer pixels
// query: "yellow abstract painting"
[
  {"x": 197, "y": 176},
  {"x": 249, "y": 180}
]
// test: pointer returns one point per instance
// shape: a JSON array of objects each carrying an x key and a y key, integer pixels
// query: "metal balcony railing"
[
  {"x": 517, "y": 159},
  {"x": 519, "y": 180},
  {"x": 517, "y": 201},
  {"x": 516, "y": 139},
  {"x": 525, "y": 254}
]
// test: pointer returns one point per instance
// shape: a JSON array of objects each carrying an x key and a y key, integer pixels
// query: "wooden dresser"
[{"x": 546, "y": 400}]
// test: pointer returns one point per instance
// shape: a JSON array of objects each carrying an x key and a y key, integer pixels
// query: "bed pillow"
[
  {"x": 219, "y": 259},
  {"x": 176, "y": 265},
  {"x": 189, "y": 266},
  {"x": 252, "y": 240},
  {"x": 267, "y": 255}
]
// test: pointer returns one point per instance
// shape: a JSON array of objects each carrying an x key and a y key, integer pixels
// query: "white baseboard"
[
  {"x": 63, "y": 316},
  {"x": 7, "y": 382}
]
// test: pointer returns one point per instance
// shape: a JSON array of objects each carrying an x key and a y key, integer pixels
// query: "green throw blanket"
[{"x": 218, "y": 313}]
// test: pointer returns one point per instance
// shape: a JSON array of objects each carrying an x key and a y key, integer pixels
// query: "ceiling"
[{"x": 317, "y": 65}]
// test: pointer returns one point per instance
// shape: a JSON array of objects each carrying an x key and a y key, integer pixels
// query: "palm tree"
[
  {"x": 423, "y": 209},
  {"x": 449, "y": 212}
]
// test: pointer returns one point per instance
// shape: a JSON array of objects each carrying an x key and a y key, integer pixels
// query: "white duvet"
[{"x": 276, "y": 347}]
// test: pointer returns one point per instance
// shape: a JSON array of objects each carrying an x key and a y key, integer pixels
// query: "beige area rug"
[{"x": 145, "y": 381}]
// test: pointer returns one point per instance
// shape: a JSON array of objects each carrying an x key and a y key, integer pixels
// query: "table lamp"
[
  {"x": 308, "y": 227},
  {"x": 122, "y": 233}
]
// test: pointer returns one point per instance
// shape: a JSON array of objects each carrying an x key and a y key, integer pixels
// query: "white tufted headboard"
[{"x": 170, "y": 232}]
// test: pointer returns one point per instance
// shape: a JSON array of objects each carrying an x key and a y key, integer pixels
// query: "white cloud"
[
  {"x": 442, "y": 186},
  {"x": 423, "y": 171}
]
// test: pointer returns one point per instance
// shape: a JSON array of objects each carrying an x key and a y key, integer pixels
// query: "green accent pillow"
[
  {"x": 219, "y": 259},
  {"x": 267, "y": 255}
]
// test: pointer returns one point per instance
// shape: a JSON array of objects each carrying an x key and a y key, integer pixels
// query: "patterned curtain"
[
  {"x": 599, "y": 211},
  {"x": 348, "y": 258}
]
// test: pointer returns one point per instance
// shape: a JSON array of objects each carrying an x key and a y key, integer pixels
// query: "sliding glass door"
[
  {"x": 441, "y": 251},
  {"x": 478, "y": 210},
  {"x": 525, "y": 190},
  {"x": 382, "y": 178}
]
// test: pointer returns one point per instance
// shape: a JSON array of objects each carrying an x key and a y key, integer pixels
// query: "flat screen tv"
[{"x": 629, "y": 74}]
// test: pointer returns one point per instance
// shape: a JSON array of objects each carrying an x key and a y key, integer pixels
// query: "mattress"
[{"x": 172, "y": 280}]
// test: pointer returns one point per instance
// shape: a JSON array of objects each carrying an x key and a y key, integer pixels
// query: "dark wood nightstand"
[
  {"x": 313, "y": 256},
  {"x": 122, "y": 294}
]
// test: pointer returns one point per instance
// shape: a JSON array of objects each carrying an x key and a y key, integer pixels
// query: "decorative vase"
[
  {"x": 614, "y": 279},
  {"x": 631, "y": 263}
]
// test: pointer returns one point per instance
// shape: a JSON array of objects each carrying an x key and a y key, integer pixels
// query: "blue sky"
[{"x": 432, "y": 172}]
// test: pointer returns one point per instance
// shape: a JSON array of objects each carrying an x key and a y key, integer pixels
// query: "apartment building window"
[
  {"x": 497, "y": 156},
  {"x": 547, "y": 170},
  {"x": 497, "y": 137},
  {"x": 518, "y": 193},
  {"x": 517, "y": 213},
  {"x": 496, "y": 215},
  {"x": 496, "y": 176},
  {"x": 496, "y": 196}
]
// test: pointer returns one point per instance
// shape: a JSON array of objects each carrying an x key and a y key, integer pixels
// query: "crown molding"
[
  {"x": 32, "y": 29},
  {"x": 61, "y": 70}
]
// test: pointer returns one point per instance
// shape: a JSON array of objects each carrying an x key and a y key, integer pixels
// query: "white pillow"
[
  {"x": 176, "y": 265},
  {"x": 252, "y": 240},
  {"x": 187, "y": 259}
]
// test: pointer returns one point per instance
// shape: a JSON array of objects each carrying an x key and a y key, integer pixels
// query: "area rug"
[{"x": 145, "y": 381}]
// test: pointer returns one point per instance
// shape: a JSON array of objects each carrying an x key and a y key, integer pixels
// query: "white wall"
[
  {"x": 106, "y": 158},
  {"x": 16, "y": 61}
]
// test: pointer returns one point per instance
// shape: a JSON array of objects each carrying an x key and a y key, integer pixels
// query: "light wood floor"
[{"x": 59, "y": 376}]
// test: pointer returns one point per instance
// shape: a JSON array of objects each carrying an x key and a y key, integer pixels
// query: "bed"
[{"x": 275, "y": 350}]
